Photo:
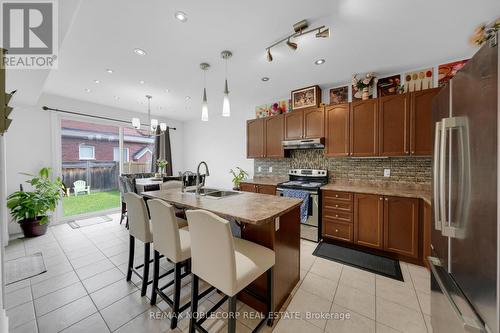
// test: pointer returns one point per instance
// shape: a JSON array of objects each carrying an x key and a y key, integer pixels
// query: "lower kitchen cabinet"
[
  {"x": 368, "y": 220},
  {"x": 257, "y": 188},
  {"x": 401, "y": 226},
  {"x": 337, "y": 230}
]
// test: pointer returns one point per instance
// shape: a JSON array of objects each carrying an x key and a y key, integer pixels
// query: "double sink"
[{"x": 213, "y": 193}]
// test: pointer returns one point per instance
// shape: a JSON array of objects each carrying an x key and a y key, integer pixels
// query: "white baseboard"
[{"x": 4, "y": 321}]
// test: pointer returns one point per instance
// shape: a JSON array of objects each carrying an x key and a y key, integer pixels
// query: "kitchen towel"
[{"x": 304, "y": 196}]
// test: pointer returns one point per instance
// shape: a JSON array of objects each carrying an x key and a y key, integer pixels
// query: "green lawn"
[{"x": 94, "y": 202}]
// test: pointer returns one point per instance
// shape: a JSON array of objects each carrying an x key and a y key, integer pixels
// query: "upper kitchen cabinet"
[
  {"x": 364, "y": 128},
  {"x": 294, "y": 125},
  {"x": 421, "y": 121},
  {"x": 314, "y": 123},
  {"x": 337, "y": 130},
  {"x": 394, "y": 125},
  {"x": 255, "y": 138},
  {"x": 274, "y": 134}
]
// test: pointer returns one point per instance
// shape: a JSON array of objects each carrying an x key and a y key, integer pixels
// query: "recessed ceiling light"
[
  {"x": 188, "y": 98},
  {"x": 87, "y": 90},
  {"x": 141, "y": 82},
  {"x": 181, "y": 16},
  {"x": 116, "y": 97},
  {"x": 109, "y": 70},
  {"x": 140, "y": 52},
  {"x": 265, "y": 79},
  {"x": 320, "y": 62},
  {"x": 167, "y": 90},
  {"x": 97, "y": 81}
]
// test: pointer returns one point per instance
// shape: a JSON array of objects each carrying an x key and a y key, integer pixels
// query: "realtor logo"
[{"x": 29, "y": 34}]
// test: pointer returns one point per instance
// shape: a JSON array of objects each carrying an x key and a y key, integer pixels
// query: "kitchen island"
[{"x": 271, "y": 221}]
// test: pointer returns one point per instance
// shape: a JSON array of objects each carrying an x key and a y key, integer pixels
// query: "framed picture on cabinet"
[
  {"x": 419, "y": 80},
  {"x": 306, "y": 97},
  {"x": 339, "y": 95},
  {"x": 388, "y": 85},
  {"x": 447, "y": 71}
]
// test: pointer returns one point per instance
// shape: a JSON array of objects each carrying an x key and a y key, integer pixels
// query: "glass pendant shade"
[
  {"x": 163, "y": 127},
  {"x": 154, "y": 124},
  {"x": 136, "y": 122},
  {"x": 226, "y": 106},
  {"x": 204, "y": 106}
]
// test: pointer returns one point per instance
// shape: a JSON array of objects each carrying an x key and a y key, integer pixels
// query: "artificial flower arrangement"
[
  {"x": 362, "y": 86},
  {"x": 484, "y": 33}
]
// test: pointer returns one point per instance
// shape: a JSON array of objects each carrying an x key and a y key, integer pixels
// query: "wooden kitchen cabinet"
[
  {"x": 314, "y": 123},
  {"x": 394, "y": 125},
  {"x": 364, "y": 128},
  {"x": 274, "y": 134},
  {"x": 368, "y": 220},
  {"x": 294, "y": 125},
  {"x": 258, "y": 188},
  {"x": 266, "y": 189},
  {"x": 255, "y": 138},
  {"x": 421, "y": 122},
  {"x": 401, "y": 225},
  {"x": 337, "y": 130}
]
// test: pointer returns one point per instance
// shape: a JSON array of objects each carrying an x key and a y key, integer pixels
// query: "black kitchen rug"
[{"x": 369, "y": 262}]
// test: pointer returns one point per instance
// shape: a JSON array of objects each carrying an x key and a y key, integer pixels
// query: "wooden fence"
[{"x": 101, "y": 176}]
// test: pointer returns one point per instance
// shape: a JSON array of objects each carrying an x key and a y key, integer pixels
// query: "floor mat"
[
  {"x": 369, "y": 262},
  {"x": 90, "y": 221},
  {"x": 24, "y": 268}
]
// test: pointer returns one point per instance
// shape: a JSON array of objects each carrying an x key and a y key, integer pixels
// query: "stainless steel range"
[{"x": 309, "y": 180}]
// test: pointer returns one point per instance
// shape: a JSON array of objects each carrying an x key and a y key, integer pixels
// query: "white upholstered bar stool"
[
  {"x": 139, "y": 228},
  {"x": 173, "y": 242},
  {"x": 228, "y": 264}
]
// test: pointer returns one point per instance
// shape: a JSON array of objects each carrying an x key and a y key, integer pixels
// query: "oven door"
[{"x": 309, "y": 229}]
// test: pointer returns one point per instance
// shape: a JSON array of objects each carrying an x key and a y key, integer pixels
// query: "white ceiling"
[{"x": 385, "y": 36}]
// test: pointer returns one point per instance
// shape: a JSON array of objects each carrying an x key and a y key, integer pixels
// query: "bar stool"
[
  {"x": 172, "y": 241},
  {"x": 228, "y": 264}
]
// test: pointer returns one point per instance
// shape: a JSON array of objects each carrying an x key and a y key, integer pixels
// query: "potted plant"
[
  {"x": 238, "y": 175},
  {"x": 31, "y": 209},
  {"x": 162, "y": 165}
]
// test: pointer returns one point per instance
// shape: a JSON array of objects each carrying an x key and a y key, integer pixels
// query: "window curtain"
[{"x": 163, "y": 151}]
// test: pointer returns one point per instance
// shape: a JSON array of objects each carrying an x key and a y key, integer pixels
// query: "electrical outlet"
[
  {"x": 259, "y": 169},
  {"x": 387, "y": 172},
  {"x": 270, "y": 169}
]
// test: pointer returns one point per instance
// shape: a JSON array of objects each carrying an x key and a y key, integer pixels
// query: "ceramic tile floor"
[{"x": 85, "y": 290}]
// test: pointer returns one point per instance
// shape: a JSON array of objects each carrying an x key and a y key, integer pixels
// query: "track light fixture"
[
  {"x": 300, "y": 29},
  {"x": 291, "y": 45},
  {"x": 269, "y": 55}
]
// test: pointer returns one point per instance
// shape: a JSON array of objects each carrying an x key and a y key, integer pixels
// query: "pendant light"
[
  {"x": 152, "y": 123},
  {"x": 226, "y": 106},
  {"x": 204, "y": 105}
]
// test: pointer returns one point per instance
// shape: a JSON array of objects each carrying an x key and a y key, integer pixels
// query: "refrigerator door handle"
[
  {"x": 436, "y": 194},
  {"x": 469, "y": 324},
  {"x": 449, "y": 229}
]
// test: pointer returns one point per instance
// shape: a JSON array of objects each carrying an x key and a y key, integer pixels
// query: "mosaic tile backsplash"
[{"x": 414, "y": 170}]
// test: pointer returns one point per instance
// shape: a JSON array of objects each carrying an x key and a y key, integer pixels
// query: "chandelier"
[{"x": 152, "y": 126}]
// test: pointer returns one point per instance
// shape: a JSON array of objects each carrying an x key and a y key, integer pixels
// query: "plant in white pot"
[{"x": 31, "y": 209}]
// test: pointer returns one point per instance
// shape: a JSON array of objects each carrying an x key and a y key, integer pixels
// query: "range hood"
[{"x": 304, "y": 144}]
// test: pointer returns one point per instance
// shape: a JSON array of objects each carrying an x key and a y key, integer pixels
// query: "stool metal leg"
[
  {"x": 231, "y": 325},
  {"x": 131, "y": 251},
  {"x": 177, "y": 295},
  {"x": 156, "y": 277},
  {"x": 194, "y": 303},
  {"x": 145, "y": 275}
]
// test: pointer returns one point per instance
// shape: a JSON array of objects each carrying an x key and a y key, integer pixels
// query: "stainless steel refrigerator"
[{"x": 465, "y": 233}]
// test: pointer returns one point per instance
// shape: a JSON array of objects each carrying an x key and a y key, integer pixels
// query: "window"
[
  {"x": 87, "y": 152},
  {"x": 116, "y": 154}
]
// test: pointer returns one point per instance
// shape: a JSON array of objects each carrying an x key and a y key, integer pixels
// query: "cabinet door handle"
[
  {"x": 336, "y": 195},
  {"x": 336, "y": 215},
  {"x": 386, "y": 199},
  {"x": 380, "y": 198},
  {"x": 336, "y": 230},
  {"x": 413, "y": 152},
  {"x": 336, "y": 206}
]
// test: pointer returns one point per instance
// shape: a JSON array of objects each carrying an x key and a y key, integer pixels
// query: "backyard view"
[
  {"x": 93, "y": 202},
  {"x": 91, "y": 164}
]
